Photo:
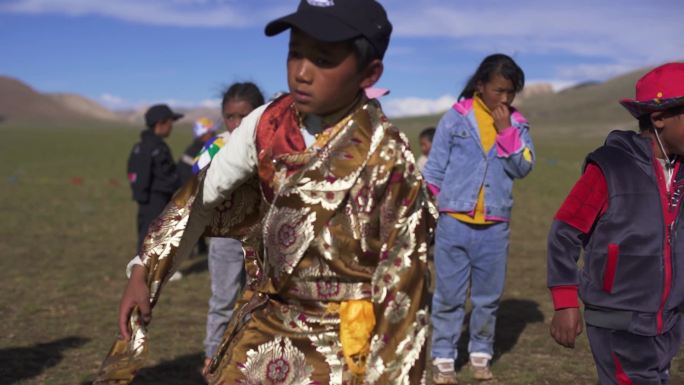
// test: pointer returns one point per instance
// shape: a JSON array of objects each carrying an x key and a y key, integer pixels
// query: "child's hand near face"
[
  {"x": 502, "y": 117},
  {"x": 566, "y": 325}
]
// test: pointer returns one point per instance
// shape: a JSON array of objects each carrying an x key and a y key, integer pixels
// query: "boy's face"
[
  {"x": 671, "y": 125},
  {"x": 163, "y": 128},
  {"x": 323, "y": 77},
  {"x": 425, "y": 146}
]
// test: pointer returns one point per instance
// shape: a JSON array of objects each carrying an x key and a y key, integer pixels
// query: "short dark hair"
[
  {"x": 428, "y": 133},
  {"x": 496, "y": 64},
  {"x": 364, "y": 51},
  {"x": 247, "y": 91},
  {"x": 645, "y": 123}
]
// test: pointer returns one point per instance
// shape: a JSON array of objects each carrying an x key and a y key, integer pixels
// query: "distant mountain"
[
  {"x": 535, "y": 89},
  {"x": 21, "y": 103},
  {"x": 84, "y": 106}
]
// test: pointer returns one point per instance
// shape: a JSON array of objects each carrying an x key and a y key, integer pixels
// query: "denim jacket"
[{"x": 458, "y": 166}]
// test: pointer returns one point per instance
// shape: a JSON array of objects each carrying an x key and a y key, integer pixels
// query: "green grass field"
[{"x": 67, "y": 232}]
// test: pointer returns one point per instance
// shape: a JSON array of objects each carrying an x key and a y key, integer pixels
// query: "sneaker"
[
  {"x": 443, "y": 372},
  {"x": 176, "y": 276},
  {"x": 479, "y": 365}
]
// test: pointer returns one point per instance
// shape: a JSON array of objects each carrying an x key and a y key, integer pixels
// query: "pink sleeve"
[
  {"x": 564, "y": 297},
  {"x": 376, "y": 93},
  {"x": 433, "y": 189},
  {"x": 508, "y": 142}
]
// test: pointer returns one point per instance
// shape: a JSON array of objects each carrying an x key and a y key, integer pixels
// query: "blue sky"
[{"x": 129, "y": 53}]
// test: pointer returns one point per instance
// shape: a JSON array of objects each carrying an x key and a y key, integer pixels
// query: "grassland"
[{"x": 67, "y": 231}]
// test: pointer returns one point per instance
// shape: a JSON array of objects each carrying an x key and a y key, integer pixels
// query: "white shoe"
[
  {"x": 443, "y": 372},
  {"x": 177, "y": 276},
  {"x": 479, "y": 365}
]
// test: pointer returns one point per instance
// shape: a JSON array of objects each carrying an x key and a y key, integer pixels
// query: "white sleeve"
[
  {"x": 235, "y": 163},
  {"x": 134, "y": 262}
]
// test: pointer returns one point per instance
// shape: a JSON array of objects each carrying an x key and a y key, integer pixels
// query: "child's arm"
[
  {"x": 438, "y": 161},
  {"x": 514, "y": 146},
  {"x": 587, "y": 201},
  {"x": 513, "y": 142},
  {"x": 235, "y": 163}
]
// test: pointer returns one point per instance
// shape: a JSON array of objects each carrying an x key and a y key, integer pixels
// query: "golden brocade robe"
[{"x": 336, "y": 240}]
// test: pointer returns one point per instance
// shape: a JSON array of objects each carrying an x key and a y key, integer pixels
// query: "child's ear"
[
  {"x": 658, "y": 120},
  {"x": 372, "y": 73},
  {"x": 479, "y": 88}
]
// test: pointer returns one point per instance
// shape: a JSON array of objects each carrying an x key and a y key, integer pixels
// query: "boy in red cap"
[
  {"x": 624, "y": 212},
  {"x": 333, "y": 213}
]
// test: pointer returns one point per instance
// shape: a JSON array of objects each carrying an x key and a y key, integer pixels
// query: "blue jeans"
[
  {"x": 464, "y": 254},
  {"x": 226, "y": 269}
]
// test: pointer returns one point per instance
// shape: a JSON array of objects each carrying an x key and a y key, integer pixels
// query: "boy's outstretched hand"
[
  {"x": 135, "y": 294},
  {"x": 502, "y": 117},
  {"x": 566, "y": 325}
]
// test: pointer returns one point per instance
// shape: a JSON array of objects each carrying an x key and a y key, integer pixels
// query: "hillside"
[
  {"x": 19, "y": 103},
  {"x": 84, "y": 106}
]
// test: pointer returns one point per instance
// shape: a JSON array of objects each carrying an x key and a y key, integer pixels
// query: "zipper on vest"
[
  {"x": 675, "y": 193},
  {"x": 668, "y": 225}
]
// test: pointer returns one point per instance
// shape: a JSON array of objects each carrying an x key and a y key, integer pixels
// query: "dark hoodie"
[{"x": 633, "y": 257}]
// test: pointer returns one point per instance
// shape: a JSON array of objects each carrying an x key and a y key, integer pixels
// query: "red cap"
[{"x": 660, "y": 89}]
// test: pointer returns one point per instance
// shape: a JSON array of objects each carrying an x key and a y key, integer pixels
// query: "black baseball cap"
[
  {"x": 160, "y": 112},
  {"x": 338, "y": 20}
]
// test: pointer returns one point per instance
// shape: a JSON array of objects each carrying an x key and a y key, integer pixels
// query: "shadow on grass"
[
  {"x": 199, "y": 265},
  {"x": 22, "y": 363},
  {"x": 184, "y": 370},
  {"x": 512, "y": 318}
]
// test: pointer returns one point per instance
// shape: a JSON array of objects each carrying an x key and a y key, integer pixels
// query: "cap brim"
[
  {"x": 638, "y": 109},
  {"x": 320, "y": 26},
  {"x": 177, "y": 116}
]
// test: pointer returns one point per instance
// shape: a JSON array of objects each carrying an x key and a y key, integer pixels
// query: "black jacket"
[{"x": 151, "y": 169}]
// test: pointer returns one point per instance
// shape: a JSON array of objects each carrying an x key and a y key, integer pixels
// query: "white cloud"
[
  {"x": 643, "y": 31},
  {"x": 413, "y": 106},
  {"x": 646, "y": 32},
  {"x": 114, "y": 102},
  {"x": 556, "y": 84},
  {"x": 183, "y": 13},
  {"x": 593, "y": 71},
  {"x": 210, "y": 103}
]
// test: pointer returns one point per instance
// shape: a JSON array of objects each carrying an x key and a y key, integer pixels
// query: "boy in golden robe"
[{"x": 335, "y": 220}]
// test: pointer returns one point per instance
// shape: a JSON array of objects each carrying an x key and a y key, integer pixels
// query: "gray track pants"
[
  {"x": 625, "y": 358},
  {"x": 226, "y": 269}
]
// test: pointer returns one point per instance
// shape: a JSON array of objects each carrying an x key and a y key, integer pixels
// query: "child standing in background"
[
  {"x": 481, "y": 146},
  {"x": 425, "y": 145},
  {"x": 226, "y": 259}
]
